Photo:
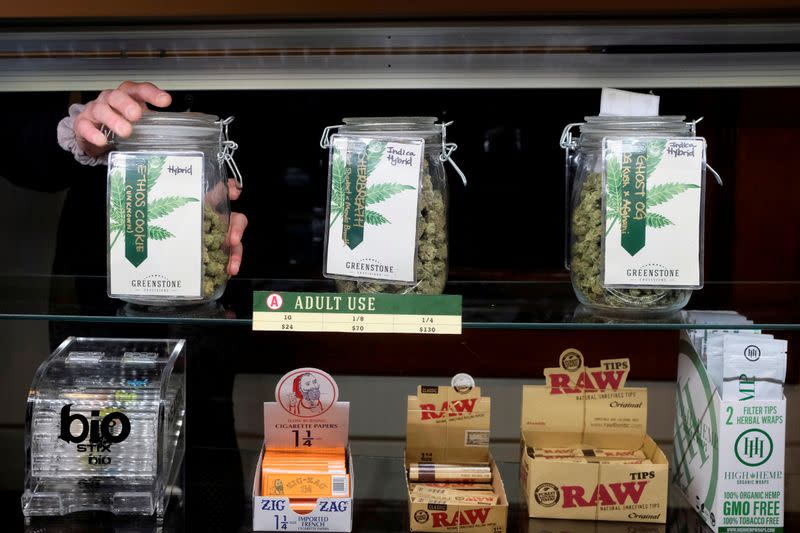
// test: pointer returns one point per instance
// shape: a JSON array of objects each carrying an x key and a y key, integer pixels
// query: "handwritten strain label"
[
  {"x": 372, "y": 212},
  {"x": 653, "y": 212},
  {"x": 356, "y": 313},
  {"x": 400, "y": 156},
  {"x": 682, "y": 149}
]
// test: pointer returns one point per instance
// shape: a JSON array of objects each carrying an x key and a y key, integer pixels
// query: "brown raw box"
[
  {"x": 581, "y": 407},
  {"x": 447, "y": 426}
]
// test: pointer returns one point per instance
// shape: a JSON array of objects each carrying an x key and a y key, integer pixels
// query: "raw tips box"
[
  {"x": 305, "y": 416},
  {"x": 728, "y": 455},
  {"x": 448, "y": 426},
  {"x": 590, "y": 408}
]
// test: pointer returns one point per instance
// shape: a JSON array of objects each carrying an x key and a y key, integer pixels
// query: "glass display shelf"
[
  {"x": 536, "y": 304},
  {"x": 379, "y": 506}
]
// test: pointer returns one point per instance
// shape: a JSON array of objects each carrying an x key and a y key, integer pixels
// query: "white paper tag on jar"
[
  {"x": 653, "y": 199},
  {"x": 374, "y": 192},
  {"x": 155, "y": 224},
  {"x": 614, "y": 102}
]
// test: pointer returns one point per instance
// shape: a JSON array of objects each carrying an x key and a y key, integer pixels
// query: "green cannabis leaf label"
[
  {"x": 613, "y": 185},
  {"x": 161, "y": 207},
  {"x": 654, "y": 220},
  {"x": 154, "y": 166},
  {"x": 659, "y": 194},
  {"x": 376, "y": 193},
  {"x": 158, "y": 233},
  {"x": 374, "y": 218},
  {"x": 656, "y": 195},
  {"x": 655, "y": 151},
  {"x": 383, "y": 191},
  {"x": 156, "y": 207}
]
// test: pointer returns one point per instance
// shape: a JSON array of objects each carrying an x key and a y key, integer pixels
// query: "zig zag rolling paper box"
[{"x": 304, "y": 476}]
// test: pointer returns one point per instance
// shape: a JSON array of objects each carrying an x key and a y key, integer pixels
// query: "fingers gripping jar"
[
  {"x": 427, "y": 192},
  {"x": 587, "y": 218},
  {"x": 168, "y": 210}
]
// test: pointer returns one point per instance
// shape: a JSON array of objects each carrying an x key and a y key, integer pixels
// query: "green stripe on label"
[
  {"x": 135, "y": 214},
  {"x": 355, "y": 195},
  {"x": 364, "y": 304},
  {"x": 633, "y": 211}
]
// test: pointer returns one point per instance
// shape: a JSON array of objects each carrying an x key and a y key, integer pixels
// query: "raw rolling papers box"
[
  {"x": 292, "y": 422},
  {"x": 729, "y": 455},
  {"x": 590, "y": 408},
  {"x": 448, "y": 426}
]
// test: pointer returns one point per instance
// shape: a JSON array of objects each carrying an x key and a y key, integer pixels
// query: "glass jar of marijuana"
[
  {"x": 587, "y": 224},
  {"x": 168, "y": 210},
  {"x": 400, "y": 184}
]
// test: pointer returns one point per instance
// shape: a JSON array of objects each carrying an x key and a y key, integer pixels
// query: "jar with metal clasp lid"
[
  {"x": 169, "y": 211},
  {"x": 591, "y": 217},
  {"x": 431, "y": 245}
]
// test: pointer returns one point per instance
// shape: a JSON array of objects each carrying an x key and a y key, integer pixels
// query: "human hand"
[
  {"x": 235, "y": 231},
  {"x": 115, "y": 109},
  {"x": 238, "y": 222},
  {"x": 234, "y": 242}
]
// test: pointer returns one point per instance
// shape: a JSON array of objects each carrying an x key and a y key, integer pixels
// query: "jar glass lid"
[
  {"x": 656, "y": 119},
  {"x": 425, "y": 126},
  {"x": 171, "y": 124},
  {"x": 675, "y": 123},
  {"x": 394, "y": 121}
]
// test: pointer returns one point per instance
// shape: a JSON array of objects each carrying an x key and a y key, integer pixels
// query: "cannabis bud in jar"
[
  {"x": 586, "y": 259},
  {"x": 215, "y": 255},
  {"x": 387, "y": 210},
  {"x": 169, "y": 211}
]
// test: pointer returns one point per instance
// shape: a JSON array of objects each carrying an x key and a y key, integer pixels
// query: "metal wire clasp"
[
  {"x": 228, "y": 148},
  {"x": 567, "y": 142},
  {"x": 447, "y": 151},
  {"x": 325, "y": 140},
  {"x": 714, "y": 173},
  {"x": 108, "y": 134}
]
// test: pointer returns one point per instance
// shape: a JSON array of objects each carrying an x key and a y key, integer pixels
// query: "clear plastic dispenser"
[{"x": 104, "y": 427}]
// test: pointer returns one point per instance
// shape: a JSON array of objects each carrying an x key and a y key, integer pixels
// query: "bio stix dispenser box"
[
  {"x": 729, "y": 455},
  {"x": 305, "y": 416},
  {"x": 451, "y": 425},
  {"x": 105, "y": 428},
  {"x": 616, "y": 471}
]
